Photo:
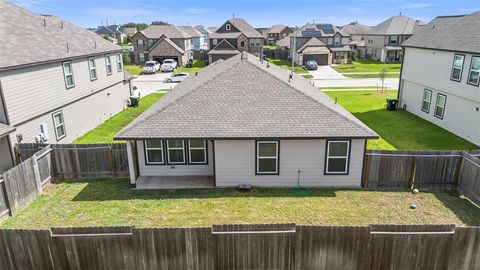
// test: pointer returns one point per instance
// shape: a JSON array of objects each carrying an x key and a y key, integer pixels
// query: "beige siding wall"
[
  {"x": 235, "y": 164},
  {"x": 5, "y": 155},
  {"x": 173, "y": 170},
  {"x": 3, "y": 117}
]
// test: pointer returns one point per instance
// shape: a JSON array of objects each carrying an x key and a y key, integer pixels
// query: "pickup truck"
[{"x": 168, "y": 65}]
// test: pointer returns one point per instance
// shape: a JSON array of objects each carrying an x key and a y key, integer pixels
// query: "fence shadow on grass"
[{"x": 465, "y": 210}]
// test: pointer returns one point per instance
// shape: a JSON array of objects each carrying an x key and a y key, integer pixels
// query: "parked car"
[
  {"x": 176, "y": 77},
  {"x": 168, "y": 65},
  {"x": 151, "y": 67},
  {"x": 311, "y": 65}
]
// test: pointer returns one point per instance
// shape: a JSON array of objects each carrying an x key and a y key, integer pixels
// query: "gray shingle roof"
[
  {"x": 455, "y": 33},
  {"x": 243, "y": 98},
  {"x": 212, "y": 29},
  {"x": 284, "y": 42},
  {"x": 396, "y": 25},
  {"x": 245, "y": 28},
  {"x": 170, "y": 31},
  {"x": 130, "y": 30},
  {"x": 276, "y": 29},
  {"x": 355, "y": 28},
  {"x": 190, "y": 31},
  {"x": 29, "y": 38},
  {"x": 312, "y": 42},
  {"x": 318, "y": 30},
  {"x": 230, "y": 35}
]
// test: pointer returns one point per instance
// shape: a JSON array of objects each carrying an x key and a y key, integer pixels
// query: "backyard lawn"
[
  {"x": 285, "y": 64},
  {"x": 112, "y": 203},
  {"x": 398, "y": 129},
  {"x": 196, "y": 66},
  {"x": 104, "y": 132},
  {"x": 134, "y": 69}
]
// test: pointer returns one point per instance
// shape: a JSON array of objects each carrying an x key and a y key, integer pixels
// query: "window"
[
  {"x": 457, "y": 67},
  {"x": 267, "y": 157},
  {"x": 197, "y": 151},
  {"x": 242, "y": 43},
  {"x": 68, "y": 73},
  {"x": 393, "y": 39},
  {"x": 141, "y": 57},
  {"x": 150, "y": 42},
  {"x": 337, "y": 157},
  {"x": 214, "y": 41},
  {"x": 140, "y": 43},
  {"x": 474, "y": 73},
  {"x": 339, "y": 55},
  {"x": 337, "y": 40},
  {"x": 92, "y": 69},
  {"x": 119, "y": 62},
  {"x": 59, "y": 125},
  {"x": 255, "y": 42},
  {"x": 427, "y": 98},
  {"x": 176, "y": 151},
  {"x": 440, "y": 105},
  {"x": 227, "y": 27},
  {"x": 108, "y": 64},
  {"x": 154, "y": 152}
]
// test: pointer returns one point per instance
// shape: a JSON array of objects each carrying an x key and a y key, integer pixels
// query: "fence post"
[
  {"x": 36, "y": 173},
  {"x": 366, "y": 165},
  {"x": 112, "y": 162},
  {"x": 458, "y": 171},
  {"x": 5, "y": 195},
  {"x": 412, "y": 174}
]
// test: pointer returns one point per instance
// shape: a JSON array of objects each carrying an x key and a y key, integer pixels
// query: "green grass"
[
  {"x": 349, "y": 87},
  {"x": 307, "y": 76},
  {"x": 134, "y": 69},
  {"x": 397, "y": 129},
  {"x": 104, "y": 132},
  {"x": 196, "y": 66},
  {"x": 364, "y": 76},
  {"x": 112, "y": 203},
  {"x": 366, "y": 65},
  {"x": 285, "y": 64}
]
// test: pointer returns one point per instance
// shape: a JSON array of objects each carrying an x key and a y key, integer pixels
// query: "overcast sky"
[{"x": 259, "y": 13}]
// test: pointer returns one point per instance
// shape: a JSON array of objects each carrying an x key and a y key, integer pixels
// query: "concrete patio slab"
[{"x": 175, "y": 182}]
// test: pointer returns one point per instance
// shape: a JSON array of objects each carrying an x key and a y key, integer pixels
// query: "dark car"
[{"x": 311, "y": 65}]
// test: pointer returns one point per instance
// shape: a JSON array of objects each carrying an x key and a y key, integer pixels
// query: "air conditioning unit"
[{"x": 41, "y": 138}]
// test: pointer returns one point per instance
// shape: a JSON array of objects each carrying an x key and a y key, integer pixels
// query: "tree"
[
  {"x": 139, "y": 26},
  {"x": 160, "y": 23},
  {"x": 352, "y": 56},
  {"x": 383, "y": 74},
  {"x": 106, "y": 37},
  {"x": 127, "y": 59}
]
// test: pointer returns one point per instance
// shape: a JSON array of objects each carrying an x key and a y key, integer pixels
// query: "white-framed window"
[
  {"x": 150, "y": 42},
  {"x": 267, "y": 157},
  {"x": 154, "y": 152},
  {"x": 92, "y": 68},
  {"x": 457, "y": 67},
  {"x": 119, "y": 62},
  {"x": 427, "y": 98},
  {"x": 214, "y": 41},
  {"x": 474, "y": 73},
  {"x": 176, "y": 152},
  {"x": 337, "y": 40},
  {"x": 440, "y": 105},
  {"x": 339, "y": 55},
  {"x": 227, "y": 27},
  {"x": 68, "y": 74},
  {"x": 140, "y": 43},
  {"x": 255, "y": 42},
  {"x": 337, "y": 157},
  {"x": 141, "y": 57},
  {"x": 393, "y": 40},
  {"x": 197, "y": 151},
  {"x": 59, "y": 125},
  {"x": 108, "y": 64}
]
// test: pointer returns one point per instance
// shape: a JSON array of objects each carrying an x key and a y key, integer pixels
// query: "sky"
[{"x": 259, "y": 13}]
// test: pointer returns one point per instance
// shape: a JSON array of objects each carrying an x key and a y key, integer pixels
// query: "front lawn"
[
  {"x": 104, "y": 132},
  {"x": 112, "y": 203},
  {"x": 285, "y": 64},
  {"x": 398, "y": 129},
  {"x": 366, "y": 65},
  {"x": 196, "y": 66},
  {"x": 134, "y": 69},
  {"x": 370, "y": 75}
]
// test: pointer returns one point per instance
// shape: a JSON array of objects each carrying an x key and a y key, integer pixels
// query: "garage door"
[
  {"x": 321, "y": 59},
  {"x": 161, "y": 58}
]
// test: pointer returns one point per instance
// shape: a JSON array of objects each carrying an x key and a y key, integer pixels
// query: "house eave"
[
  {"x": 438, "y": 49},
  {"x": 130, "y": 138}
]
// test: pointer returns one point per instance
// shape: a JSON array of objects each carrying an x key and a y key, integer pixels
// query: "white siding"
[
  {"x": 235, "y": 164},
  {"x": 3, "y": 117},
  {"x": 5, "y": 155},
  {"x": 173, "y": 170},
  {"x": 431, "y": 70}
]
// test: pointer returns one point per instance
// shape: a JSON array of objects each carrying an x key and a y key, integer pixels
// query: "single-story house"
[{"x": 244, "y": 121}]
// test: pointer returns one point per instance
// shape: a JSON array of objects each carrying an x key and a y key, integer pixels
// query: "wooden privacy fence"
[{"x": 280, "y": 246}]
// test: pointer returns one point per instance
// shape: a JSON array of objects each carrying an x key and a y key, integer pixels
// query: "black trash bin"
[
  {"x": 134, "y": 101},
  {"x": 392, "y": 104}
]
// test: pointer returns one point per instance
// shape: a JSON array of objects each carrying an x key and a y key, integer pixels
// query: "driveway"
[
  {"x": 325, "y": 73},
  {"x": 150, "y": 83}
]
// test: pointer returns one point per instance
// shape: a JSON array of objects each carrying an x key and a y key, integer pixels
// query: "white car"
[
  {"x": 178, "y": 77},
  {"x": 151, "y": 67},
  {"x": 168, "y": 65}
]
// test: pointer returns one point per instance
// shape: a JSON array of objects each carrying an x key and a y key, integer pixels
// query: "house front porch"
[{"x": 175, "y": 182}]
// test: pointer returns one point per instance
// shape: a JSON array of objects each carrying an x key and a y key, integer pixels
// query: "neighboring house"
[
  {"x": 233, "y": 37},
  {"x": 205, "y": 33},
  {"x": 59, "y": 92},
  {"x": 243, "y": 121},
  {"x": 276, "y": 33},
  {"x": 115, "y": 32},
  {"x": 160, "y": 42},
  {"x": 284, "y": 43},
  {"x": 198, "y": 41},
  {"x": 212, "y": 29},
  {"x": 383, "y": 41},
  {"x": 441, "y": 74},
  {"x": 130, "y": 30},
  {"x": 324, "y": 43},
  {"x": 357, "y": 33}
]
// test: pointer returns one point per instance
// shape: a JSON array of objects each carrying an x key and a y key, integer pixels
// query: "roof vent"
[
  {"x": 244, "y": 55},
  {"x": 44, "y": 22},
  {"x": 61, "y": 24}
]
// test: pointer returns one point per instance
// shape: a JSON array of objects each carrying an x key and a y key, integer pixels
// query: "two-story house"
[
  {"x": 276, "y": 33},
  {"x": 160, "y": 42},
  {"x": 323, "y": 43},
  {"x": 233, "y": 37},
  {"x": 383, "y": 41},
  {"x": 205, "y": 33},
  {"x": 198, "y": 41},
  {"x": 57, "y": 80},
  {"x": 115, "y": 32},
  {"x": 441, "y": 74},
  {"x": 357, "y": 32}
]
